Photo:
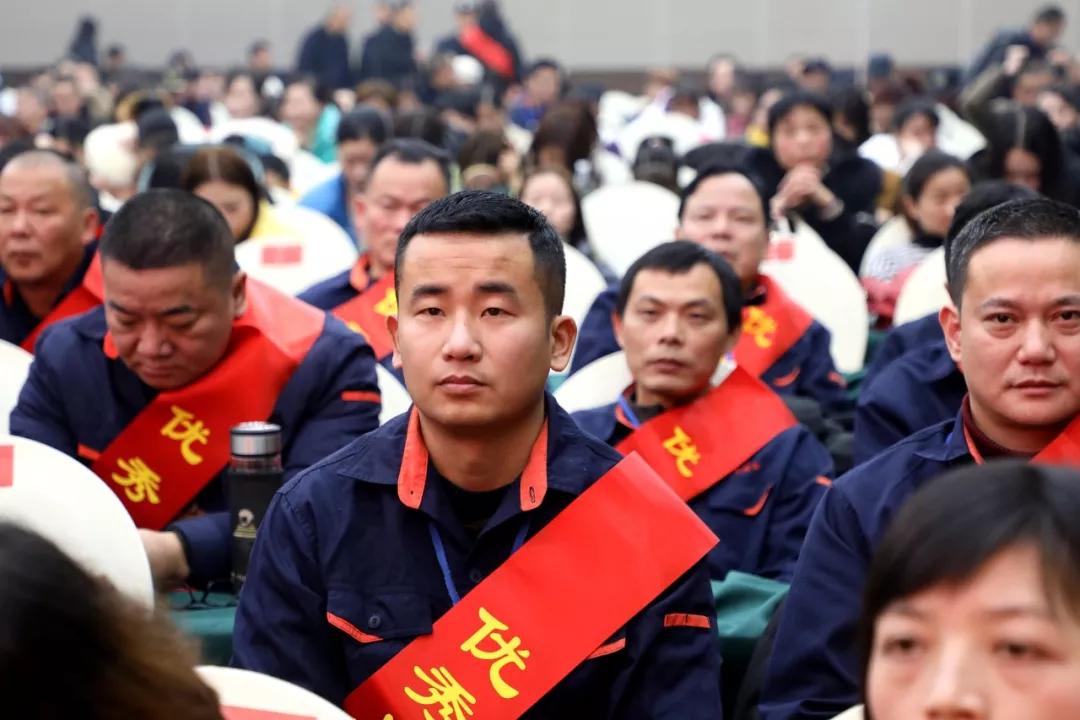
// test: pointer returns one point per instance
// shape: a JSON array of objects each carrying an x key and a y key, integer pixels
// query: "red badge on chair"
[{"x": 282, "y": 255}]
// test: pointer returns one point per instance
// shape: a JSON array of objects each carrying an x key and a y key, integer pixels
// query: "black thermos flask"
[{"x": 255, "y": 474}]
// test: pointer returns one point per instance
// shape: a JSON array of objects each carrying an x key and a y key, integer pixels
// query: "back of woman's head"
[
  {"x": 71, "y": 646},
  {"x": 568, "y": 126},
  {"x": 227, "y": 165},
  {"x": 954, "y": 526},
  {"x": 656, "y": 162}
]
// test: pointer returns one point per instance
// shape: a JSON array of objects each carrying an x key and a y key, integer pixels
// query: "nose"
[
  {"x": 20, "y": 222},
  {"x": 671, "y": 329},
  {"x": 956, "y": 691},
  {"x": 461, "y": 344},
  {"x": 1037, "y": 346},
  {"x": 152, "y": 342}
]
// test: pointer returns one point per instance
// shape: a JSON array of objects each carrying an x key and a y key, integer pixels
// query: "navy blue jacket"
[
  {"x": 901, "y": 339},
  {"x": 77, "y": 396},
  {"x": 326, "y": 56},
  {"x": 337, "y": 539},
  {"x": 16, "y": 320},
  {"x": 331, "y": 198},
  {"x": 814, "y": 669},
  {"x": 806, "y": 369},
  {"x": 922, "y": 388},
  {"x": 335, "y": 291},
  {"x": 789, "y": 474}
]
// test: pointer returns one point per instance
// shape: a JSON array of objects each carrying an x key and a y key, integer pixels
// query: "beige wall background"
[{"x": 584, "y": 34}]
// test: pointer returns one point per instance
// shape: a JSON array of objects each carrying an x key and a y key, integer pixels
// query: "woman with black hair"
[
  {"x": 805, "y": 172},
  {"x": 1023, "y": 147},
  {"x": 972, "y": 605}
]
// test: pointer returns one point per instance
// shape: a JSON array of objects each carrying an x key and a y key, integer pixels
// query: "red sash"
[
  {"x": 89, "y": 294},
  {"x": 367, "y": 312},
  {"x": 547, "y": 608},
  {"x": 1062, "y": 450},
  {"x": 698, "y": 445},
  {"x": 769, "y": 330},
  {"x": 180, "y": 441}
]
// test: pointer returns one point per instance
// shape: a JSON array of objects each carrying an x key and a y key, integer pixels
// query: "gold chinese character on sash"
[
  {"x": 681, "y": 447},
  {"x": 183, "y": 430},
  {"x": 140, "y": 482},
  {"x": 506, "y": 652},
  {"x": 444, "y": 690},
  {"x": 388, "y": 305},
  {"x": 759, "y": 325}
]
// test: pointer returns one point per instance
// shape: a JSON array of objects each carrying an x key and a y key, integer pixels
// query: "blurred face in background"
[
  {"x": 242, "y": 99},
  {"x": 802, "y": 137},
  {"x": 549, "y": 193}
]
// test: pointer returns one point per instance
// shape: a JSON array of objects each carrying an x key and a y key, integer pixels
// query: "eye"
[
  {"x": 901, "y": 646},
  {"x": 494, "y": 312},
  {"x": 647, "y": 313},
  {"x": 1021, "y": 651},
  {"x": 1000, "y": 318},
  {"x": 1069, "y": 315},
  {"x": 430, "y": 312}
]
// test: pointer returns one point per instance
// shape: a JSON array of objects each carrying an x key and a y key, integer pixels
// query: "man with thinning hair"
[
  {"x": 48, "y": 240},
  {"x": 146, "y": 389}
]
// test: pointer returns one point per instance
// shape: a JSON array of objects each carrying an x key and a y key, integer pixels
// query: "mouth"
[
  {"x": 666, "y": 365},
  {"x": 460, "y": 384},
  {"x": 1036, "y": 387}
]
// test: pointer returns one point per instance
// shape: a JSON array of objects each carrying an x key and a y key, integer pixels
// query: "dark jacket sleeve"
[
  {"x": 818, "y": 376},
  {"x": 807, "y": 467},
  {"x": 596, "y": 337},
  {"x": 675, "y": 671},
  {"x": 281, "y": 626},
  {"x": 877, "y": 424},
  {"x": 39, "y": 413},
  {"x": 813, "y": 671}
]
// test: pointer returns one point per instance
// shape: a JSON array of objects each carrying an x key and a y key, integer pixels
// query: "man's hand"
[
  {"x": 1015, "y": 57},
  {"x": 165, "y": 552},
  {"x": 802, "y": 184}
]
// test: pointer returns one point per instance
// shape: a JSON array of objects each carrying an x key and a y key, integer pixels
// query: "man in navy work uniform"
[
  {"x": 922, "y": 386},
  {"x": 406, "y": 175},
  {"x": 725, "y": 210},
  {"x": 48, "y": 226},
  {"x": 359, "y": 555},
  {"x": 677, "y": 314},
  {"x": 1013, "y": 326},
  {"x": 179, "y": 318}
]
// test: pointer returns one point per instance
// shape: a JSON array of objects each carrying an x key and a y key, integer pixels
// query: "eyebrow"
[
  {"x": 998, "y": 302},
  {"x": 699, "y": 302},
  {"x": 493, "y": 287},
  {"x": 178, "y": 310},
  {"x": 1009, "y": 611}
]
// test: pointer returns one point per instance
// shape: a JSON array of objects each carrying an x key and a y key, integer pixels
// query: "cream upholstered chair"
[
  {"x": 247, "y": 695},
  {"x": 924, "y": 292},
  {"x": 625, "y": 221},
  {"x": 14, "y": 367}
]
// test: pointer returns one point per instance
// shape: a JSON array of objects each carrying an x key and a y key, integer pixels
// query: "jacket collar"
[{"x": 952, "y": 448}]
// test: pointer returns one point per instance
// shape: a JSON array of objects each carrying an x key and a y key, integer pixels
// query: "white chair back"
[
  {"x": 583, "y": 283},
  {"x": 395, "y": 398},
  {"x": 625, "y": 221},
  {"x": 281, "y": 139},
  {"x": 924, "y": 292},
  {"x": 852, "y": 713},
  {"x": 816, "y": 278},
  {"x": 247, "y": 695},
  {"x": 600, "y": 382},
  {"x": 611, "y": 168},
  {"x": 896, "y": 232},
  {"x": 14, "y": 367},
  {"x": 616, "y": 109},
  {"x": 957, "y": 136},
  {"x": 307, "y": 171},
  {"x": 684, "y": 132},
  {"x": 314, "y": 249},
  {"x": 188, "y": 126},
  {"x": 58, "y": 497}
]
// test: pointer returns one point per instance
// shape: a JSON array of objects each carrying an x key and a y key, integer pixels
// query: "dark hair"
[
  {"x": 364, "y": 123},
  {"x": 957, "y": 523},
  {"x": 164, "y": 228},
  {"x": 983, "y": 196},
  {"x": 258, "y": 46},
  {"x": 412, "y": 152},
  {"x": 656, "y": 162},
  {"x": 544, "y": 64},
  {"x": 228, "y": 166},
  {"x": 157, "y": 130},
  {"x": 850, "y": 103},
  {"x": 1066, "y": 92},
  {"x": 570, "y": 125},
  {"x": 578, "y": 236},
  {"x": 717, "y": 169},
  {"x": 1050, "y": 14},
  {"x": 680, "y": 257},
  {"x": 424, "y": 124},
  {"x": 797, "y": 99},
  {"x": 1033, "y": 219},
  {"x": 319, "y": 91},
  {"x": 1026, "y": 128},
  {"x": 377, "y": 90},
  {"x": 72, "y": 646},
  {"x": 927, "y": 166},
  {"x": 487, "y": 213},
  {"x": 916, "y": 107}
]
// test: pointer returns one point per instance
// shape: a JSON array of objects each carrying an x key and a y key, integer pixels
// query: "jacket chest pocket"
[
  {"x": 736, "y": 509},
  {"x": 375, "y": 626}
]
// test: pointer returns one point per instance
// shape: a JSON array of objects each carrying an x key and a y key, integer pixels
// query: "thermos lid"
[{"x": 256, "y": 439}]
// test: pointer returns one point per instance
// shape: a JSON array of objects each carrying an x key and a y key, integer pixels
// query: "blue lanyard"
[
  {"x": 629, "y": 412},
  {"x": 444, "y": 564}
]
